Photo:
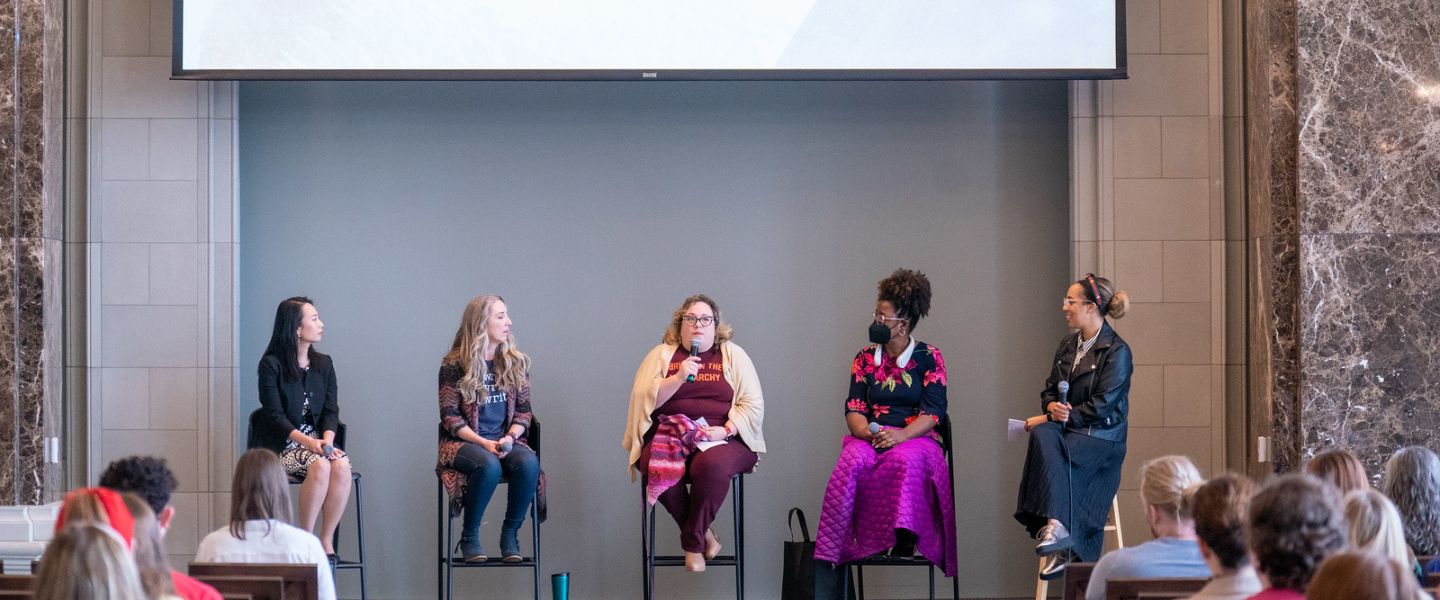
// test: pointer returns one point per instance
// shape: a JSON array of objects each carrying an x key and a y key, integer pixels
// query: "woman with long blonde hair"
[
  {"x": 87, "y": 560},
  {"x": 485, "y": 425},
  {"x": 1375, "y": 527}
]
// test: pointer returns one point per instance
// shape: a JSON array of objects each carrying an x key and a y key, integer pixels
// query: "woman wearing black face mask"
[{"x": 891, "y": 486}]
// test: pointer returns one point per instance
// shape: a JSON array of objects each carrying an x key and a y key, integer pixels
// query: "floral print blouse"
[{"x": 894, "y": 396}]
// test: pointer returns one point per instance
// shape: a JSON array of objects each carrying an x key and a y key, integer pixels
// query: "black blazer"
[
  {"x": 1099, "y": 386},
  {"x": 281, "y": 400}
]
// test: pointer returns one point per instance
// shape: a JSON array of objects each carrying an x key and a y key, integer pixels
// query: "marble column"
[
  {"x": 31, "y": 175},
  {"x": 1345, "y": 222}
]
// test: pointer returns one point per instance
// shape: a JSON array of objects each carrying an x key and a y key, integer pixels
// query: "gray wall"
[{"x": 594, "y": 208}]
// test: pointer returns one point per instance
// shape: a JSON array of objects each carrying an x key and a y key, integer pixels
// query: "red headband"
[
  {"x": 1095, "y": 292},
  {"x": 120, "y": 518}
]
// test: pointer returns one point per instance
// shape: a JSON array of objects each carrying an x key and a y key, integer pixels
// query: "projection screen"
[{"x": 648, "y": 39}]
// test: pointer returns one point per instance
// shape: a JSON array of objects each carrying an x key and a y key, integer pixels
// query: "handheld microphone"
[
  {"x": 1064, "y": 387},
  {"x": 506, "y": 445},
  {"x": 694, "y": 351},
  {"x": 327, "y": 450},
  {"x": 874, "y": 429}
]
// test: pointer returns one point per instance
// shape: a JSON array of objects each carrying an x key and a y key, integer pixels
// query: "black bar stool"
[
  {"x": 359, "y": 563},
  {"x": 647, "y": 540},
  {"x": 445, "y": 533},
  {"x": 917, "y": 560}
]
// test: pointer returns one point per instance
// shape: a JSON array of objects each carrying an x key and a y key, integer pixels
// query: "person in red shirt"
[{"x": 151, "y": 480}]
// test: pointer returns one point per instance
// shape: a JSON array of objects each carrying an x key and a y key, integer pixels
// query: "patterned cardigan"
[{"x": 455, "y": 414}]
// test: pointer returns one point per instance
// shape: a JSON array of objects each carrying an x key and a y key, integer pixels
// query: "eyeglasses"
[
  {"x": 1072, "y": 301},
  {"x": 881, "y": 319},
  {"x": 693, "y": 320}
]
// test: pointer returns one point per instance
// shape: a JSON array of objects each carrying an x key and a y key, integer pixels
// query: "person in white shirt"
[{"x": 258, "y": 531}]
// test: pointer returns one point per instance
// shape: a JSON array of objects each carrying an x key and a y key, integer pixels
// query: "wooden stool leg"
[
  {"x": 1115, "y": 519},
  {"x": 1042, "y": 587}
]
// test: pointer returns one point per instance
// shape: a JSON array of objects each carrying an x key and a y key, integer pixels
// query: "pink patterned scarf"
[{"x": 675, "y": 438}]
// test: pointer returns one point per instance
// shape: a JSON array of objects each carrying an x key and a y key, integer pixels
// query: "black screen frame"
[{"x": 177, "y": 71}]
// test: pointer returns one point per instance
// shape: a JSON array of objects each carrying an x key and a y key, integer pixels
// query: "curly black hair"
[
  {"x": 1295, "y": 522},
  {"x": 909, "y": 292},
  {"x": 145, "y": 476}
]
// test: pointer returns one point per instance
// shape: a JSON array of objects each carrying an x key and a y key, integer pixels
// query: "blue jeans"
[{"x": 482, "y": 471}]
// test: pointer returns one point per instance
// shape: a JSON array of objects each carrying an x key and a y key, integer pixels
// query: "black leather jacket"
[
  {"x": 1099, "y": 385},
  {"x": 281, "y": 400}
]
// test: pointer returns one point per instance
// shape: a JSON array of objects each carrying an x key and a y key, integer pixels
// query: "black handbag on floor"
[{"x": 806, "y": 578}]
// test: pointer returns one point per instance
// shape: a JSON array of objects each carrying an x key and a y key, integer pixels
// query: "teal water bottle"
[{"x": 560, "y": 586}]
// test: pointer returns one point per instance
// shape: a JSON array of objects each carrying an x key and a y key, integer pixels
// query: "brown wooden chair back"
[
  {"x": 1154, "y": 588},
  {"x": 246, "y": 588},
  {"x": 1077, "y": 578},
  {"x": 300, "y": 580},
  {"x": 17, "y": 583}
]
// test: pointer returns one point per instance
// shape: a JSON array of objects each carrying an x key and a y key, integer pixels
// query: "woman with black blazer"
[
  {"x": 1072, "y": 468},
  {"x": 299, "y": 416}
]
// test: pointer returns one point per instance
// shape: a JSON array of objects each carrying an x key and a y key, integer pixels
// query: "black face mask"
[{"x": 879, "y": 333}]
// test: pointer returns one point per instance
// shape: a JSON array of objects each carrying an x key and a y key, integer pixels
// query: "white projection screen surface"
[{"x": 649, "y": 39}]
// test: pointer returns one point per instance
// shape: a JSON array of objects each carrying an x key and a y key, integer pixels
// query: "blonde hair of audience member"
[
  {"x": 1166, "y": 484},
  {"x": 1340, "y": 468},
  {"x": 1412, "y": 482},
  {"x": 145, "y": 547},
  {"x": 1221, "y": 507},
  {"x": 149, "y": 552},
  {"x": 1375, "y": 527},
  {"x": 1360, "y": 575},
  {"x": 87, "y": 560},
  {"x": 258, "y": 491}
]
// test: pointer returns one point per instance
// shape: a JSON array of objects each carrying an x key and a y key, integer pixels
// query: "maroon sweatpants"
[{"x": 697, "y": 498}]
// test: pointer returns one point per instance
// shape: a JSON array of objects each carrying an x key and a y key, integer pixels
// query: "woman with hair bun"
[
  {"x": 891, "y": 485},
  {"x": 1072, "y": 467},
  {"x": 1167, "y": 486}
]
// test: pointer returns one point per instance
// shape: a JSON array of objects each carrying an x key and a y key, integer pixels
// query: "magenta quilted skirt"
[{"x": 871, "y": 494}]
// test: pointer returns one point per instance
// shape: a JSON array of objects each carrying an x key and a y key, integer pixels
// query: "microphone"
[
  {"x": 1064, "y": 388},
  {"x": 327, "y": 450},
  {"x": 694, "y": 351},
  {"x": 874, "y": 428},
  {"x": 506, "y": 445}
]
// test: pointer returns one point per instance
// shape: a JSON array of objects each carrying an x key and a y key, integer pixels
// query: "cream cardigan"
[{"x": 747, "y": 410}]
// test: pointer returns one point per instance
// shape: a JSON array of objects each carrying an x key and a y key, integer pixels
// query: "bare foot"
[
  {"x": 712, "y": 544},
  {"x": 694, "y": 562}
]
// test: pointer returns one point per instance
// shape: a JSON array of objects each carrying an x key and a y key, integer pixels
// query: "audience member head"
[
  {"x": 1295, "y": 522},
  {"x": 1412, "y": 482},
  {"x": 1221, "y": 507},
  {"x": 1165, "y": 485},
  {"x": 132, "y": 521},
  {"x": 87, "y": 560},
  {"x": 1375, "y": 526},
  {"x": 1360, "y": 575},
  {"x": 98, "y": 505},
  {"x": 258, "y": 491},
  {"x": 1340, "y": 468},
  {"x": 147, "y": 477},
  {"x": 485, "y": 324},
  {"x": 148, "y": 550}
]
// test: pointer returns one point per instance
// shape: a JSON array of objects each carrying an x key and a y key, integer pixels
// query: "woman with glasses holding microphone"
[
  {"x": 1072, "y": 467},
  {"x": 890, "y": 487},
  {"x": 694, "y": 422}
]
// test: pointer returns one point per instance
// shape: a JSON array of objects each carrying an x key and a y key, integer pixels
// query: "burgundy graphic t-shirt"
[{"x": 709, "y": 396}]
